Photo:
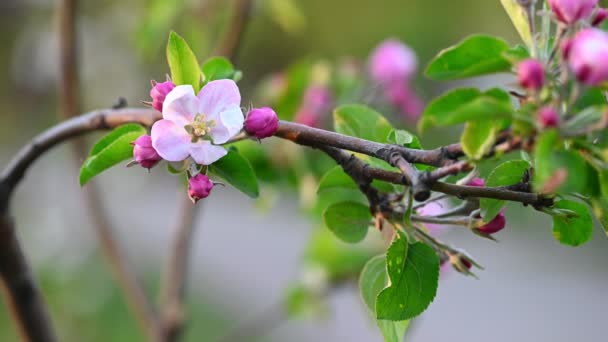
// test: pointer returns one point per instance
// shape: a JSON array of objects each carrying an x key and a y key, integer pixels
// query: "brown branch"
[
  {"x": 69, "y": 95},
  {"x": 176, "y": 270},
  {"x": 23, "y": 295}
]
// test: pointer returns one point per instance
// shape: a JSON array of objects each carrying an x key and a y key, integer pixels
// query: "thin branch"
[
  {"x": 69, "y": 95},
  {"x": 231, "y": 42},
  {"x": 176, "y": 270}
]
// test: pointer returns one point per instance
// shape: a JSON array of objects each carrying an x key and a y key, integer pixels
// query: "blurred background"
[{"x": 247, "y": 253}]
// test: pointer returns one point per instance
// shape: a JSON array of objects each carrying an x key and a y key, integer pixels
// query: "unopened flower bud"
[
  {"x": 392, "y": 61},
  {"x": 477, "y": 182},
  {"x": 571, "y": 11},
  {"x": 497, "y": 224},
  {"x": 143, "y": 152},
  {"x": 600, "y": 16},
  {"x": 588, "y": 56},
  {"x": 548, "y": 117},
  {"x": 262, "y": 122},
  {"x": 531, "y": 74},
  {"x": 158, "y": 93},
  {"x": 199, "y": 187}
]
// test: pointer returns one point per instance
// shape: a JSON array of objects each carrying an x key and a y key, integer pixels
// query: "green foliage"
[
  {"x": 236, "y": 171},
  {"x": 600, "y": 210},
  {"x": 218, "y": 68},
  {"x": 573, "y": 228},
  {"x": 478, "y": 137},
  {"x": 112, "y": 149},
  {"x": 474, "y": 56},
  {"x": 182, "y": 62},
  {"x": 403, "y": 138},
  {"x": 348, "y": 220},
  {"x": 558, "y": 169},
  {"x": 362, "y": 122},
  {"x": 466, "y": 104},
  {"x": 371, "y": 281},
  {"x": 508, "y": 173},
  {"x": 336, "y": 178},
  {"x": 519, "y": 19},
  {"x": 414, "y": 273}
]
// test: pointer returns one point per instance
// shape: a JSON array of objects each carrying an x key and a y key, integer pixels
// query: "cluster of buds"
[{"x": 393, "y": 65}]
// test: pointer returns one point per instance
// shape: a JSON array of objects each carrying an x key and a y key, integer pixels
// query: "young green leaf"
[
  {"x": 474, "y": 56},
  {"x": 362, "y": 122},
  {"x": 414, "y": 273},
  {"x": 478, "y": 138},
  {"x": 236, "y": 171},
  {"x": 572, "y": 230},
  {"x": 336, "y": 178},
  {"x": 217, "y": 68},
  {"x": 182, "y": 62},
  {"x": 519, "y": 18},
  {"x": 466, "y": 104},
  {"x": 112, "y": 149},
  {"x": 600, "y": 210},
  {"x": 508, "y": 173},
  {"x": 348, "y": 220},
  {"x": 371, "y": 281},
  {"x": 557, "y": 169}
]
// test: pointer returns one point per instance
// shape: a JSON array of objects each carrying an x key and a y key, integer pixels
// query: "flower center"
[{"x": 200, "y": 127}]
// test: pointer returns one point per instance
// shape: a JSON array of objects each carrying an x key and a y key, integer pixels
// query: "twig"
[
  {"x": 69, "y": 95},
  {"x": 173, "y": 288},
  {"x": 229, "y": 47}
]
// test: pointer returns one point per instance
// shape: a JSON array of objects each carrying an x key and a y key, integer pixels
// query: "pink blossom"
[
  {"x": 143, "y": 152},
  {"x": 571, "y": 11},
  {"x": 193, "y": 125},
  {"x": 401, "y": 95},
  {"x": 548, "y": 117},
  {"x": 531, "y": 74},
  {"x": 199, "y": 187},
  {"x": 316, "y": 102},
  {"x": 158, "y": 93},
  {"x": 262, "y": 122},
  {"x": 392, "y": 61},
  {"x": 588, "y": 56},
  {"x": 433, "y": 209}
]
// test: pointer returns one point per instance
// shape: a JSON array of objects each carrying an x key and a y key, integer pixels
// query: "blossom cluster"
[{"x": 195, "y": 126}]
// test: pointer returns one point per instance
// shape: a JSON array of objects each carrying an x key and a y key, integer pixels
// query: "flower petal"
[
  {"x": 216, "y": 96},
  {"x": 171, "y": 141},
  {"x": 205, "y": 153},
  {"x": 230, "y": 123},
  {"x": 181, "y": 105}
]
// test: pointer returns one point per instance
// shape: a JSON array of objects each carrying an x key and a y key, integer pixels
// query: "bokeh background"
[{"x": 246, "y": 252}]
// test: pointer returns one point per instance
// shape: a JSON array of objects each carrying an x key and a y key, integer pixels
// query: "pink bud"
[
  {"x": 392, "y": 61},
  {"x": 588, "y": 56},
  {"x": 497, "y": 224},
  {"x": 143, "y": 152},
  {"x": 566, "y": 48},
  {"x": 531, "y": 74},
  {"x": 600, "y": 16},
  {"x": 571, "y": 11},
  {"x": 400, "y": 95},
  {"x": 262, "y": 122},
  {"x": 199, "y": 187},
  {"x": 158, "y": 93},
  {"x": 477, "y": 182},
  {"x": 548, "y": 117},
  {"x": 316, "y": 103}
]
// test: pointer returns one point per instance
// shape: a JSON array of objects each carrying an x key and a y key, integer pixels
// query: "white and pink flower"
[{"x": 194, "y": 125}]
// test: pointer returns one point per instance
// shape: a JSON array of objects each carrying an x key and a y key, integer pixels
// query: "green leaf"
[
  {"x": 584, "y": 119},
  {"x": 218, "y": 68},
  {"x": 478, "y": 138},
  {"x": 372, "y": 280},
  {"x": 519, "y": 19},
  {"x": 414, "y": 273},
  {"x": 589, "y": 97},
  {"x": 362, "y": 122},
  {"x": 474, "y": 56},
  {"x": 400, "y": 137},
  {"x": 348, "y": 220},
  {"x": 508, "y": 173},
  {"x": 336, "y": 178},
  {"x": 557, "y": 169},
  {"x": 466, "y": 104},
  {"x": 182, "y": 62},
  {"x": 572, "y": 230},
  {"x": 112, "y": 149},
  {"x": 236, "y": 171},
  {"x": 600, "y": 210},
  {"x": 516, "y": 54}
]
